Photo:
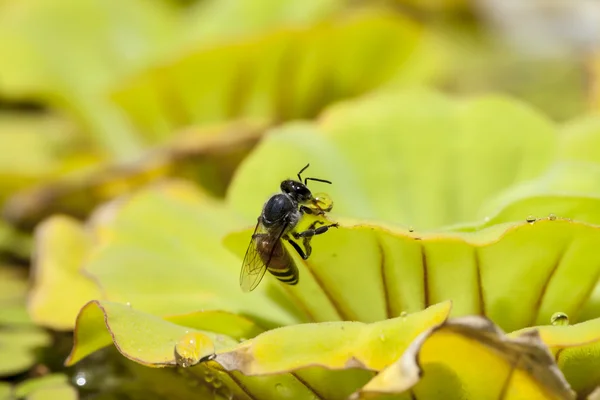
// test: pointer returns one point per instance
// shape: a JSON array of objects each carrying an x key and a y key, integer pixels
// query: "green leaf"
[
  {"x": 60, "y": 288},
  {"x": 19, "y": 339},
  {"x": 36, "y": 36},
  {"x": 13, "y": 292},
  {"x": 151, "y": 341},
  {"x": 214, "y": 20},
  {"x": 580, "y": 139},
  {"x": 566, "y": 190},
  {"x": 54, "y": 386},
  {"x": 29, "y": 149},
  {"x": 18, "y": 348},
  {"x": 434, "y": 157},
  {"x": 232, "y": 325},
  {"x": 207, "y": 156},
  {"x": 334, "y": 345},
  {"x": 141, "y": 337},
  {"x": 283, "y": 74},
  {"x": 470, "y": 358},
  {"x": 576, "y": 349},
  {"x": 403, "y": 271},
  {"x": 5, "y": 391}
]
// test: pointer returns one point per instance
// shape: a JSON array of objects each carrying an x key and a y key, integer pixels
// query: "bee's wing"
[{"x": 253, "y": 267}]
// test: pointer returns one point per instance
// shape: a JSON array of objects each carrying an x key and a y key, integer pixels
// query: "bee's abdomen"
[
  {"x": 289, "y": 275},
  {"x": 282, "y": 266}
]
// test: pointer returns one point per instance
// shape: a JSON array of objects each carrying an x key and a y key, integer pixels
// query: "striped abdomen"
[{"x": 280, "y": 263}]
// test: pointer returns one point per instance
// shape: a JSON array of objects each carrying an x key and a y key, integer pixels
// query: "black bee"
[{"x": 280, "y": 215}]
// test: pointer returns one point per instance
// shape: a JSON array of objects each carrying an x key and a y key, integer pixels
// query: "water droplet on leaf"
[
  {"x": 530, "y": 219},
  {"x": 322, "y": 202},
  {"x": 209, "y": 376},
  {"x": 281, "y": 389},
  {"x": 191, "y": 348},
  {"x": 552, "y": 217},
  {"x": 559, "y": 318},
  {"x": 403, "y": 314}
]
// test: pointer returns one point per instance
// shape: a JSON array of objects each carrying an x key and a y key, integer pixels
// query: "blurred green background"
[
  {"x": 89, "y": 88},
  {"x": 99, "y": 97}
]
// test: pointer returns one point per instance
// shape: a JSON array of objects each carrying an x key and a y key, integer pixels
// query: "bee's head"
[{"x": 297, "y": 190}]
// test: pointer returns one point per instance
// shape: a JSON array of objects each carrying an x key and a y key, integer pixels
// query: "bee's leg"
[
  {"x": 308, "y": 210},
  {"x": 297, "y": 247},
  {"x": 308, "y": 234},
  {"x": 311, "y": 231}
]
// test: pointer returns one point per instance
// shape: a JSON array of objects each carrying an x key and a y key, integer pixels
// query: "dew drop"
[
  {"x": 217, "y": 383},
  {"x": 411, "y": 229},
  {"x": 322, "y": 202},
  {"x": 191, "y": 348},
  {"x": 403, "y": 314},
  {"x": 552, "y": 217},
  {"x": 559, "y": 318},
  {"x": 530, "y": 219},
  {"x": 281, "y": 389},
  {"x": 209, "y": 376}
]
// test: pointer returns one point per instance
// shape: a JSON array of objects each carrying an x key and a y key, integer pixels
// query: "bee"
[{"x": 277, "y": 222}]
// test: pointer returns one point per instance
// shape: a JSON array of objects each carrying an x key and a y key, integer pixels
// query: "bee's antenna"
[
  {"x": 310, "y": 179},
  {"x": 316, "y": 180},
  {"x": 301, "y": 171}
]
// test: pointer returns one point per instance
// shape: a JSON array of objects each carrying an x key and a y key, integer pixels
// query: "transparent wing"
[{"x": 253, "y": 267}]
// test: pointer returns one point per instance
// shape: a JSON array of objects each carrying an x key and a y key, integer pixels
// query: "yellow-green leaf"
[
  {"x": 49, "y": 387},
  {"x": 19, "y": 340},
  {"x": 576, "y": 349},
  {"x": 469, "y": 358},
  {"x": 141, "y": 337},
  {"x": 335, "y": 345},
  {"x": 214, "y": 20},
  {"x": 19, "y": 347},
  {"x": 30, "y": 148},
  {"x": 566, "y": 190},
  {"x": 580, "y": 139},
  {"x": 397, "y": 270},
  {"x": 153, "y": 341},
  {"x": 103, "y": 39},
  {"x": 229, "y": 324},
  {"x": 5, "y": 391},
  {"x": 60, "y": 288},
  {"x": 283, "y": 74},
  {"x": 207, "y": 155},
  {"x": 416, "y": 158},
  {"x": 13, "y": 293}
]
